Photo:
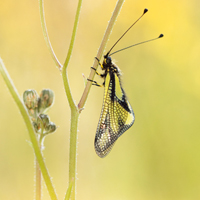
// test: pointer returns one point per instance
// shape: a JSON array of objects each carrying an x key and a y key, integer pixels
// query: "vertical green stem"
[
  {"x": 74, "y": 111},
  {"x": 73, "y": 152}
]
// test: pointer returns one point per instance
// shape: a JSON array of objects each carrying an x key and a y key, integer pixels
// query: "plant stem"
[
  {"x": 38, "y": 181},
  {"x": 38, "y": 175},
  {"x": 100, "y": 52},
  {"x": 30, "y": 128},
  {"x": 74, "y": 111},
  {"x": 46, "y": 37},
  {"x": 73, "y": 153}
]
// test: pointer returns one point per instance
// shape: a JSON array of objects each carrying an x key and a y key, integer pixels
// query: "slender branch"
[
  {"x": 46, "y": 36},
  {"x": 64, "y": 70},
  {"x": 30, "y": 128},
  {"x": 73, "y": 35},
  {"x": 100, "y": 52}
]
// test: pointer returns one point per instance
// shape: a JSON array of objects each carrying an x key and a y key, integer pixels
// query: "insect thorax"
[{"x": 111, "y": 68}]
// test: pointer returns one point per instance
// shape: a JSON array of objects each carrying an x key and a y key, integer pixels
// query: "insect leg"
[
  {"x": 101, "y": 75},
  {"x": 99, "y": 63},
  {"x": 96, "y": 71},
  {"x": 95, "y": 83}
]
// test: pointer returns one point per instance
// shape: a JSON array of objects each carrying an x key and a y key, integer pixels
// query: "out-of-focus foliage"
[{"x": 159, "y": 157}]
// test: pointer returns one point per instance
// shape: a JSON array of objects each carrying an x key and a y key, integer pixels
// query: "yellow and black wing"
[{"x": 116, "y": 116}]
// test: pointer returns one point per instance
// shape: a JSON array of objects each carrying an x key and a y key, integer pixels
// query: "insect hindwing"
[{"x": 116, "y": 116}]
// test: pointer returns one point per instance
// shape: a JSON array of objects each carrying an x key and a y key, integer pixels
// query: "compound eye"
[{"x": 108, "y": 60}]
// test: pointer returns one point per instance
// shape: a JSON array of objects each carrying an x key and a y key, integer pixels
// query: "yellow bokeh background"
[{"x": 159, "y": 157}]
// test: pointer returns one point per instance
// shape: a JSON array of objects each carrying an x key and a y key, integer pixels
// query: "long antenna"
[
  {"x": 145, "y": 10},
  {"x": 160, "y": 36}
]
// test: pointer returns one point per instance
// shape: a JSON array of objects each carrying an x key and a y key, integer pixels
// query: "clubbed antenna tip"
[
  {"x": 161, "y": 35},
  {"x": 145, "y": 10}
]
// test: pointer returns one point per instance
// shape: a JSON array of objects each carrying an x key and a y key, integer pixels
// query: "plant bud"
[
  {"x": 30, "y": 98},
  {"x": 46, "y": 100},
  {"x": 44, "y": 119},
  {"x": 50, "y": 128}
]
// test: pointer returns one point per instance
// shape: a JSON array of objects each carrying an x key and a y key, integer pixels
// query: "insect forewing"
[{"x": 116, "y": 116}]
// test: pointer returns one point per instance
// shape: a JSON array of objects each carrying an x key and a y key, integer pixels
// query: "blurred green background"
[{"x": 159, "y": 157}]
